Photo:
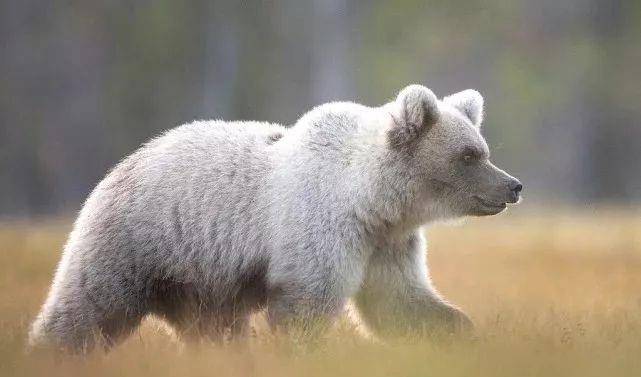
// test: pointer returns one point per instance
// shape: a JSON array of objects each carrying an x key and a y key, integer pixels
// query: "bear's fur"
[{"x": 215, "y": 220}]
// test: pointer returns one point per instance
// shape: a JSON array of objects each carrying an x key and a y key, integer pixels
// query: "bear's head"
[{"x": 441, "y": 145}]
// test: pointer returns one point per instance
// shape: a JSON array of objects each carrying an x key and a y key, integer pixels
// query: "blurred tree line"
[{"x": 82, "y": 84}]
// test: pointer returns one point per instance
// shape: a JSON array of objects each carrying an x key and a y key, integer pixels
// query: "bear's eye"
[{"x": 470, "y": 156}]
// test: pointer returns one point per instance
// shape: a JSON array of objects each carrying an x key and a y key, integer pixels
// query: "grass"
[{"x": 551, "y": 295}]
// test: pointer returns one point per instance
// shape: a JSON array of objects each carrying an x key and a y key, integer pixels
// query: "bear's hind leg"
[
  {"x": 78, "y": 328},
  {"x": 117, "y": 327},
  {"x": 61, "y": 328},
  {"x": 82, "y": 313}
]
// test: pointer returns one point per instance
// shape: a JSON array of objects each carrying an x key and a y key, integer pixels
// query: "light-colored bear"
[{"x": 215, "y": 220}]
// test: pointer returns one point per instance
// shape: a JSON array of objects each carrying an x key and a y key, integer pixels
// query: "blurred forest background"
[{"x": 82, "y": 84}]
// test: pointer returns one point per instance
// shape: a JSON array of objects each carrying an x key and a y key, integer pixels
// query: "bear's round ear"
[
  {"x": 419, "y": 112},
  {"x": 470, "y": 103}
]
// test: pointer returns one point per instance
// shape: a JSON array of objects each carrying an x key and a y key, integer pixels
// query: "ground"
[{"x": 553, "y": 293}]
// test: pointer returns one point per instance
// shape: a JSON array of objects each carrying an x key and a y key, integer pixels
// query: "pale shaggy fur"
[{"x": 214, "y": 220}]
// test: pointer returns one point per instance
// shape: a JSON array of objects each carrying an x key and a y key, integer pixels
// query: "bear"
[{"x": 213, "y": 221}]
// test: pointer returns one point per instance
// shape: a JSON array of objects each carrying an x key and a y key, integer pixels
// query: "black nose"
[{"x": 516, "y": 186}]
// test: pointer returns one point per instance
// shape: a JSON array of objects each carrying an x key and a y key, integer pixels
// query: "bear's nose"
[{"x": 515, "y": 187}]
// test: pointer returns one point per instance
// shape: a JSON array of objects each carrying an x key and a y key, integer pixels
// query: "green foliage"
[{"x": 83, "y": 84}]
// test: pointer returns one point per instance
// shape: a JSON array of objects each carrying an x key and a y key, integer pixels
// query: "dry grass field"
[{"x": 551, "y": 295}]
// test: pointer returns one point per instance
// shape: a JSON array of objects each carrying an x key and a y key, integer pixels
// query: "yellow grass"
[{"x": 551, "y": 295}]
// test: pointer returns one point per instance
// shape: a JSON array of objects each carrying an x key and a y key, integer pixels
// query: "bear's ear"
[
  {"x": 418, "y": 113},
  {"x": 470, "y": 103}
]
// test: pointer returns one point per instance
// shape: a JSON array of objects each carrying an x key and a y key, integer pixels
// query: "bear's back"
[
  {"x": 187, "y": 197},
  {"x": 208, "y": 169},
  {"x": 194, "y": 160}
]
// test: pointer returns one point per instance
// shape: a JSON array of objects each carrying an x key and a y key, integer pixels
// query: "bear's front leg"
[
  {"x": 397, "y": 298},
  {"x": 308, "y": 290},
  {"x": 302, "y": 311}
]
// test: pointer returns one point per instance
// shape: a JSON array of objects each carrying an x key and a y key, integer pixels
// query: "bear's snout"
[{"x": 515, "y": 187}]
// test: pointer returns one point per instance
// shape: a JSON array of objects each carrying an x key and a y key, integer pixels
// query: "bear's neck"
[{"x": 394, "y": 201}]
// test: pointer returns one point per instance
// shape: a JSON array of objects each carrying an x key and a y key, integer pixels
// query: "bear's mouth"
[{"x": 490, "y": 204}]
